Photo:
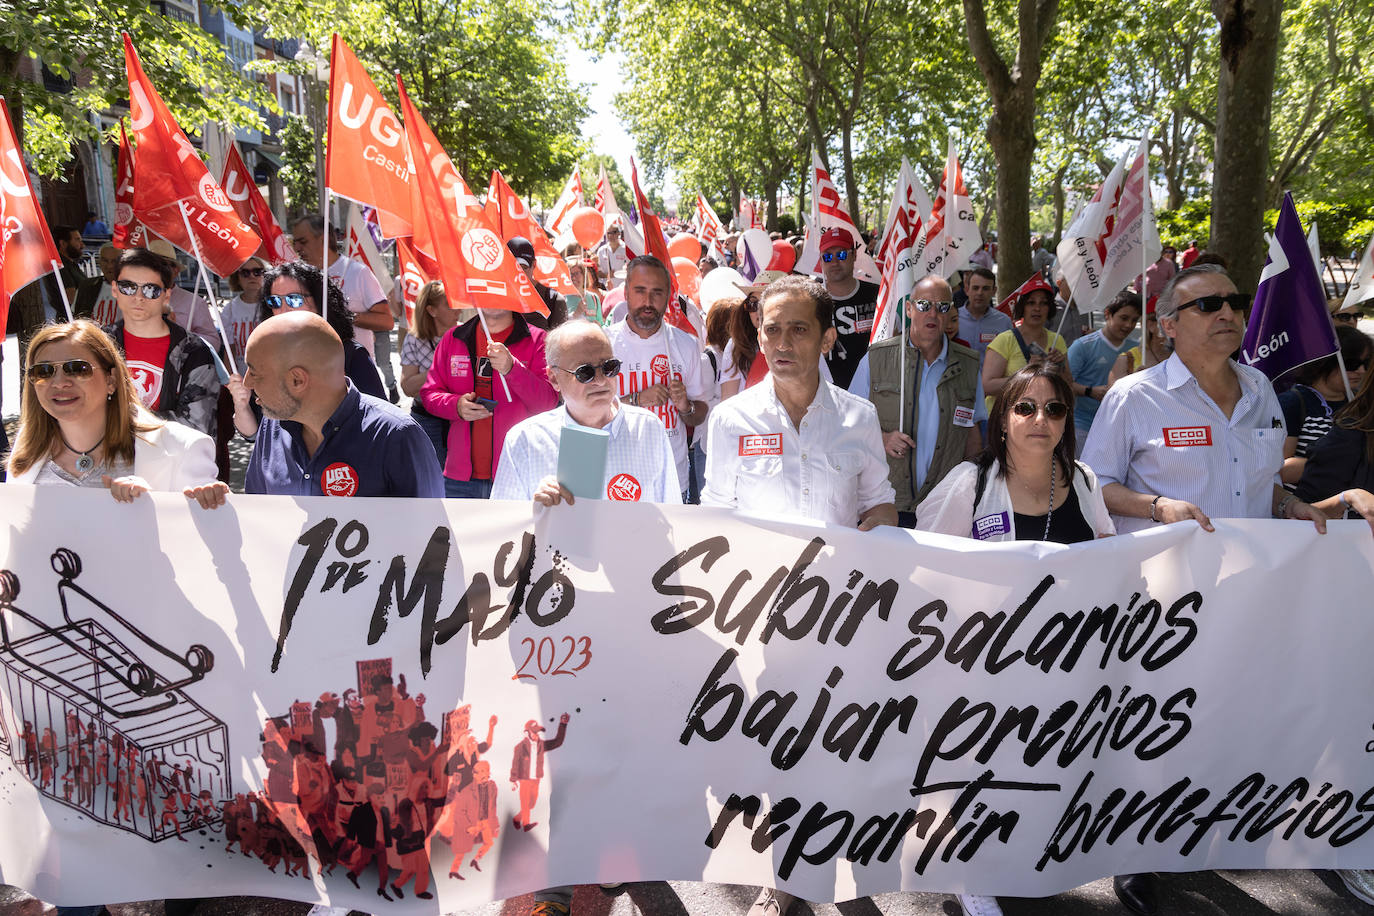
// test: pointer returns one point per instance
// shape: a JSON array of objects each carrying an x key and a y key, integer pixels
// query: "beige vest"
[{"x": 957, "y": 387}]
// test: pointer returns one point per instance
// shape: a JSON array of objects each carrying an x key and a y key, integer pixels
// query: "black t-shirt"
[
  {"x": 1068, "y": 526},
  {"x": 853, "y": 325}
]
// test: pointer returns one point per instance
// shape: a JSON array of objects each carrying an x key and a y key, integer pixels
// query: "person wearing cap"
[
  {"x": 978, "y": 320},
  {"x": 640, "y": 464},
  {"x": 522, "y": 249},
  {"x": 1032, "y": 307},
  {"x": 855, "y": 300},
  {"x": 931, "y": 424},
  {"x": 527, "y": 767},
  {"x": 462, "y": 387},
  {"x": 365, "y": 298},
  {"x": 661, "y": 365},
  {"x": 612, "y": 256}
]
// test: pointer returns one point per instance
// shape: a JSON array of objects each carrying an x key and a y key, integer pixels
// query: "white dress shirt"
[
  {"x": 832, "y": 469},
  {"x": 646, "y": 361},
  {"x": 1158, "y": 432},
  {"x": 361, "y": 289},
  {"x": 640, "y": 466}
]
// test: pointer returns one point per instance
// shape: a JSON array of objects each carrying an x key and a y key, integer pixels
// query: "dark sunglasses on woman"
[
  {"x": 251, "y": 271},
  {"x": 72, "y": 368},
  {"x": 1054, "y": 410},
  {"x": 288, "y": 301}
]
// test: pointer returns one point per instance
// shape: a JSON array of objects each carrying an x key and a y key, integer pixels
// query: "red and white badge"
[
  {"x": 625, "y": 488},
  {"x": 1180, "y": 436},
  {"x": 339, "y": 479},
  {"x": 659, "y": 365},
  {"x": 963, "y": 416},
  {"x": 459, "y": 366},
  {"x": 760, "y": 444},
  {"x": 987, "y": 337}
]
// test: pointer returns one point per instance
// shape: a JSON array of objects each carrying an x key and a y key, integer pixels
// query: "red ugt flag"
[
  {"x": 413, "y": 277},
  {"x": 243, "y": 193},
  {"x": 27, "y": 251},
  {"x": 455, "y": 241},
  {"x": 508, "y": 213},
  {"x": 171, "y": 180},
  {"x": 128, "y": 231}
]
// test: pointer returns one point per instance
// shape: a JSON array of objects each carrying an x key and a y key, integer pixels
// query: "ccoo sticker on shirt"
[
  {"x": 991, "y": 526},
  {"x": 625, "y": 488},
  {"x": 1179, "y": 436},
  {"x": 760, "y": 444},
  {"x": 987, "y": 337},
  {"x": 459, "y": 365},
  {"x": 963, "y": 416},
  {"x": 339, "y": 479}
]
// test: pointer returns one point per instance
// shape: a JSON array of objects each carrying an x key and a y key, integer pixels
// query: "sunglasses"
[
  {"x": 251, "y": 271},
  {"x": 925, "y": 305},
  {"x": 1054, "y": 410},
  {"x": 1347, "y": 318},
  {"x": 149, "y": 290},
  {"x": 288, "y": 301},
  {"x": 1239, "y": 302},
  {"x": 586, "y": 372},
  {"x": 835, "y": 256},
  {"x": 1355, "y": 365},
  {"x": 72, "y": 368},
  {"x": 751, "y": 304}
]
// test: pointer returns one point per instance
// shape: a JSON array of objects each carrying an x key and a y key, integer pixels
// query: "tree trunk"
[
  {"x": 1249, "y": 40},
  {"x": 770, "y": 194},
  {"x": 1058, "y": 208},
  {"x": 1011, "y": 134}
]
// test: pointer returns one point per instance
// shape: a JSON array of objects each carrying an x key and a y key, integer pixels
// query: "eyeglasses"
[
  {"x": 1347, "y": 317},
  {"x": 1239, "y": 302},
  {"x": 251, "y": 271},
  {"x": 925, "y": 305},
  {"x": 751, "y": 304},
  {"x": 835, "y": 255},
  {"x": 1054, "y": 410},
  {"x": 586, "y": 372},
  {"x": 1355, "y": 365},
  {"x": 288, "y": 301},
  {"x": 72, "y": 368},
  {"x": 149, "y": 290}
]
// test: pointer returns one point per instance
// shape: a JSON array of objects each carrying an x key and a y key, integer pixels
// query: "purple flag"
[{"x": 1289, "y": 324}]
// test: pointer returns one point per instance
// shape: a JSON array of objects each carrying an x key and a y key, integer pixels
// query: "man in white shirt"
[
  {"x": 365, "y": 298},
  {"x": 1198, "y": 435},
  {"x": 640, "y": 465},
  {"x": 611, "y": 256},
  {"x": 794, "y": 444},
  {"x": 660, "y": 364}
]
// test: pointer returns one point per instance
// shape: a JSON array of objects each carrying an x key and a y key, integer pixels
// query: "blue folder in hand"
[{"x": 582, "y": 461}]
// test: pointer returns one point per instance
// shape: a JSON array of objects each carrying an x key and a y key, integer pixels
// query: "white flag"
[
  {"x": 952, "y": 235},
  {"x": 709, "y": 230},
  {"x": 362, "y": 247},
  {"x": 1101, "y": 252},
  {"x": 827, "y": 211},
  {"x": 611, "y": 213},
  {"x": 1362, "y": 284},
  {"x": 567, "y": 202},
  {"x": 1314, "y": 245},
  {"x": 903, "y": 245}
]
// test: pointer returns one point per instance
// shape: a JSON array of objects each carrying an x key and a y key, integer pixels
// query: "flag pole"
[
  {"x": 212, "y": 305},
  {"x": 486, "y": 330},
  {"x": 1067, "y": 305},
  {"x": 901, "y": 391},
  {"x": 62, "y": 290}
]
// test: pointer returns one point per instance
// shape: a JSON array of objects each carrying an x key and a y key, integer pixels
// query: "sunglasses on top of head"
[
  {"x": 1054, "y": 410},
  {"x": 287, "y": 301},
  {"x": 841, "y": 255},
  {"x": 149, "y": 290},
  {"x": 1239, "y": 302},
  {"x": 586, "y": 372},
  {"x": 72, "y": 368}
]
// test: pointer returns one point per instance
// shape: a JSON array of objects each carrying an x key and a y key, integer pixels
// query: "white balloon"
[
  {"x": 755, "y": 250},
  {"x": 719, "y": 284}
]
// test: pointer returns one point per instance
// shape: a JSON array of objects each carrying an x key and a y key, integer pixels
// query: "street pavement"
[{"x": 1222, "y": 893}]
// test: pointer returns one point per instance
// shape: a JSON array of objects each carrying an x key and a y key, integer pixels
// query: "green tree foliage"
[
  {"x": 78, "y": 41},
  {"x": 298, "y": 166}
]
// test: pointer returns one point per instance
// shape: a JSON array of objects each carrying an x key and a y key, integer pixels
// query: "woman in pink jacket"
[{"x": 463, "y": 388}]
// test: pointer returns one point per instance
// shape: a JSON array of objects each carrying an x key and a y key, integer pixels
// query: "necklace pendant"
[{"x": 85, "y": 463}]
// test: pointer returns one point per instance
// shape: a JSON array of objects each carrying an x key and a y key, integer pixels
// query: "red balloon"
[
  {"x": 784, "y": 256},
  {"x": 688, "y": 276},
  {"x": 588, "y": 226},
  {"x": 685, "y": 245}
]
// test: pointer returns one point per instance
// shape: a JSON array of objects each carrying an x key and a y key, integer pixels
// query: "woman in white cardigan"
[
  {"x": 1025, "y": 485},
  {"x": 82, "y": 424}
]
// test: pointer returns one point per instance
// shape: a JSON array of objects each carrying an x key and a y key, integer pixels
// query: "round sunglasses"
[
  {"x": 586, "y": 372},
  {"x": 1054, "y": 410}
]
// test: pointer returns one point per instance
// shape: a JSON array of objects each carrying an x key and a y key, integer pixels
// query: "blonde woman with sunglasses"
[{"x": 82, "y": 425}]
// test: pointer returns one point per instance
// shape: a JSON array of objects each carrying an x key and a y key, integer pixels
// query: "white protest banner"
[{"x": 837, "y": 713}]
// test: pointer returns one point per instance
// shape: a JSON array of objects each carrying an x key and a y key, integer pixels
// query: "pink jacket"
[{"x": 454, "y": 373}]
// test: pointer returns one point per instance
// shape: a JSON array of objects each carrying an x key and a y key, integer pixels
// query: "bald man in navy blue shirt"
[{"x": 320, "y": 436}]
